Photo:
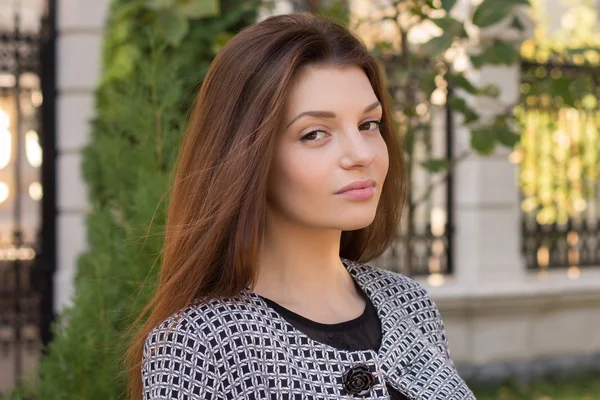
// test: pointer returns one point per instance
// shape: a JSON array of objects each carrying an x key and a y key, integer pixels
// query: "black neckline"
[
  {"x": 362, "y": 274},
  {"x": 339, "y": 326}
]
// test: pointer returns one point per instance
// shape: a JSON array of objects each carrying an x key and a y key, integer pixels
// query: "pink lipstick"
[{"x": 360, "y": 190}]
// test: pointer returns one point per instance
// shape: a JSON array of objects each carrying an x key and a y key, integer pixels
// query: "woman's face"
[{"x": 330, "y": 139}]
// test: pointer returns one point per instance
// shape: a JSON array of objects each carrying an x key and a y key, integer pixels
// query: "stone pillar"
[
  {"x": 80, "y": 31},
  {"x": 487, "y": 199},
  {"x": 487, "y": 204}
]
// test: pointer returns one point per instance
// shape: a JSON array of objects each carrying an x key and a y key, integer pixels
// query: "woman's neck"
[{"x": 300, "y": 267}]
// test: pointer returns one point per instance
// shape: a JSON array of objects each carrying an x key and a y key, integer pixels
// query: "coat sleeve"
[
  {"x": 178, "y": 363},
  {"x": 430, "y": 321},
  {"x": 441, "y": 337}
]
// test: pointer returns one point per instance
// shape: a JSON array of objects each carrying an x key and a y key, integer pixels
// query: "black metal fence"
[
  {"x": 27, "y": 100},
  {"x": 423, "y": 245},
  {"x": 560, "y": 165}
]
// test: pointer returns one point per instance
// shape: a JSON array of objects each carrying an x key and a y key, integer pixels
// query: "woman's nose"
[{"x": 357, "y": 151}]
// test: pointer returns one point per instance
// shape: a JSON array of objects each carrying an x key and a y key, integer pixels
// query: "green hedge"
[{"x": 155, "y": 54}]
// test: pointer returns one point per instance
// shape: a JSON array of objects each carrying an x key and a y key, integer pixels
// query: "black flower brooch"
[{"x": 358, "y": 380}]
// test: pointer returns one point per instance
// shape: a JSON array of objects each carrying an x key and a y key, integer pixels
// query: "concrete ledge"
[
  {"x": 529, "y": 371},
  {"x": 526, "y": 323}
]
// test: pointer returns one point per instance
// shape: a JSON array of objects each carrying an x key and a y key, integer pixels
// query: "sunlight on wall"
[
  {"x": 33, "y": 149},
  {"x": 4, "y": 192},
  {"x": 5, "y": 139}
]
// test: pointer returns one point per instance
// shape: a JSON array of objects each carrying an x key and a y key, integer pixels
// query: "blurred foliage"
[
  {"x": 577, "y": 387},
  {"x": 427, "y": 48},
  {"x": 155, "y": 53},
  {"x": 559, "y": 153},
  {"x": 334, "y": 9},
  {"x": 559, "y": 114},
  {"x": 569, "y": 37}
]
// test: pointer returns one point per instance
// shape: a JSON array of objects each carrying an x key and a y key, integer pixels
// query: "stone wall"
[{"x": 80, "y": 30}]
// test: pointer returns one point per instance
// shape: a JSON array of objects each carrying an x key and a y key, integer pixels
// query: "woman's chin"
[{"x": 355, "y": 222}]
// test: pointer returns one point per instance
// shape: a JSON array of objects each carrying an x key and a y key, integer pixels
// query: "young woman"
[{"x": 290, "y": 178}]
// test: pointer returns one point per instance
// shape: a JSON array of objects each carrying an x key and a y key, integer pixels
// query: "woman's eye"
[
  {"x": 313, "y": 136},
  {"x": 370, "y": 125}
]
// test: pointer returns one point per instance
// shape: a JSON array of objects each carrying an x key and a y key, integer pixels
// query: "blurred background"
[{"x": 497, "y": 105}]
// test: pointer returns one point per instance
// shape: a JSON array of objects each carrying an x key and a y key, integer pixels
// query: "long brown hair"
[{"x": 218, "y": 199}]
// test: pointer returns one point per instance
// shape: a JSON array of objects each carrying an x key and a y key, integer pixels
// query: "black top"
[{"x": 361, "y": 333}]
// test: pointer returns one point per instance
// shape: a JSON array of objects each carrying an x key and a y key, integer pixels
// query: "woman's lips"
[
  {"x": 359, "y": 194},
  {"x": 359, "y": 190}
]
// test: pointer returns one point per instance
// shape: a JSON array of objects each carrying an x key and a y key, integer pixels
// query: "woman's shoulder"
[
  {"x": 186, "y": 346},
  {"x": 390, "y": 282},
  {"x": 205, "y": 319}
]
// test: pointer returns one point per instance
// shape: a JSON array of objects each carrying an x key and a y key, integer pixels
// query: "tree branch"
[{"x": 440, "y": 181}]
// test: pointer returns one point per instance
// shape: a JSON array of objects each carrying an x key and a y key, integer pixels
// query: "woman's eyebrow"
[{"x": 328, "y": 114}]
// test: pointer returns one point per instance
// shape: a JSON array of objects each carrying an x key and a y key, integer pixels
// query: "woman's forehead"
[{"x": 316, "y": 87}]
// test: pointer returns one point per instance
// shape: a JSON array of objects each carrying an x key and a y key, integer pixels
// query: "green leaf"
[
  {"x": 460, "y": 105},
  {"x": 490, "y": 90},
  {"x": 438, "y": 45},
  {"x": 448, "y": 4},
  {"x": 581, "y": 86},
  {"x": 123, "y": 61},
  {"x": 507, "y": 137},
  {"x": 483, "y": 141},
  {"x": 199, "y": 8},
  {"x": 409, "y": 141},
  {"x": 505, "y": 53},
  {"x": 498, "y": 53},
  {"x": 435, "y": 165},
  {"x": 336, "y": 10},
  {"x": 427, "y": 79},
  {"x": 451, "y": 26},
  {"x": 490, "y": 12},
  {"x": 516, "y": 23},
  {"x": 173, "y": 25},
  {"x": 381, "y": 48},
  {"x": 159, "y": 4},
  {"x": 460, "y": 81},
  {"x": 220, "y": 41},
  {"x": 561, "y": 87},
  {"x": 127, "y": 10},
  {"x": 121, "y": 33},
  {"x": 478, "y": 60}
]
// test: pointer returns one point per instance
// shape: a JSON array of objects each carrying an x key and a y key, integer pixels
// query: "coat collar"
[{"x": 409, "y": 360}]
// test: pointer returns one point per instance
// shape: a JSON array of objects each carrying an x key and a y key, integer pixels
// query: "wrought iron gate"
[
  {"x": 560, "y": 150},
  {"x": 26, "y": 201}
]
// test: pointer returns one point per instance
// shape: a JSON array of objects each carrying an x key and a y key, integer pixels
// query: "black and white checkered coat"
[{"x": 240, "y": 348}]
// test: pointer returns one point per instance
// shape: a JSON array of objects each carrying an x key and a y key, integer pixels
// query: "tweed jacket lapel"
[{"x": 410, "y": 362}]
